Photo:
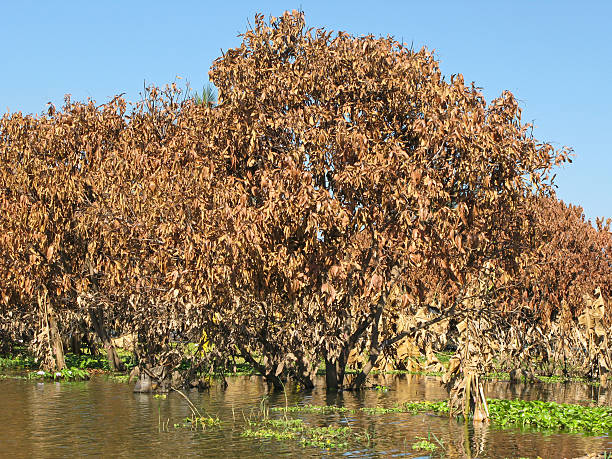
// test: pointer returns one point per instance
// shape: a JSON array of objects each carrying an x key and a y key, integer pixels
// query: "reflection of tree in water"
[{"x": 46, "y": 418}]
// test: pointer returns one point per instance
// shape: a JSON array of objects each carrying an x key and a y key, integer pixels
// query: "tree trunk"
[
  {"x": 335, "y": 370},
  {"x": 331, "y": 375},
  {"x": 305, "y": 377},
  {"x": 269, "y": 376},
  {"x": 306, "y": 382},
  {"x": 54, "y": 358},
  {"x": 90, "y": 341},
  {"x": 75, "y": 344},
  {"x": 475, "y": 402},
  {"x": 361, "y": 378},
  {"x": 55, "y": 342},
  {"x": 374, "y": 353},
  {"x": 97, "y": 321}
]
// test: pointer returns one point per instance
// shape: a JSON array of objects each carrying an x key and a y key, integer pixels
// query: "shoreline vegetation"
[
  {"x": 84, "y": 365},
  {"x": 81, "y": 367}
]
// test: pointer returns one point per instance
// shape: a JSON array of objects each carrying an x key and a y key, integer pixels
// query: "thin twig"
[{"x": 191, "y": 405}]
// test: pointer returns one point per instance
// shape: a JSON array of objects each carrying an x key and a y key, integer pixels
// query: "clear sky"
[{"x": 555, "y": 56}]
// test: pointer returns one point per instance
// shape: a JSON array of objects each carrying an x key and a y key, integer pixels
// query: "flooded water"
[{"x": 102, "y": 418}]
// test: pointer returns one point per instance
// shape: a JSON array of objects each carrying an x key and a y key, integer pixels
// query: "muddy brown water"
[{"x": 101, "y": 418}]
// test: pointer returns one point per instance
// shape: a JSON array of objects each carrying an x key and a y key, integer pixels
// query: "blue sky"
[{"x": 555, "y": 56}]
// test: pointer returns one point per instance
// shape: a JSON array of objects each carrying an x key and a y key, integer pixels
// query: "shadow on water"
[{"x": 102, "y": 418}]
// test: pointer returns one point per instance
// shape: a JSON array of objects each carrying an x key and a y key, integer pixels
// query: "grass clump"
[
  {"x": 410, "y": 407},
  {"x": 203, "y": 422},
  {"x": 427, "y": 444},
  {"x": 318, "y": 409},
  {"x": 327, "y": 437},
  {"x": 424, "y": 445},
  {"x": 122, "y": 378}
]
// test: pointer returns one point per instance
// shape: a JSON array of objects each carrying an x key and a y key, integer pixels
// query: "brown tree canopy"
[
  {"x": 566, "y": 285},
  {"x": 340, "y": 183},
  {"x": 353, "y": 168},
  {"x": 46, "y": 162},
  {"x": 574, "y": 259}
]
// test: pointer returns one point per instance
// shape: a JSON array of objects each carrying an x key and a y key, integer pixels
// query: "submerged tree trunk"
[
  {"x": 331, "y": 375},
  {"x": 306, "y": 372},
  {"x": 374, "y": 353},
  {"x": 335, "y": 369},
  {"x": 467, "y": 398},
  {"x": 97, "y": 320},
  {"x": 462, "y": 377},
  {"x": 361, "y": 378}
]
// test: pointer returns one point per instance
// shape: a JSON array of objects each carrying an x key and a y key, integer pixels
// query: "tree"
[
  {"x": 357, "y": 182},
  {"x": 46, "y": 166},
  {"x": 207, "y": 98},
  {"x": 566, "y": 283}
]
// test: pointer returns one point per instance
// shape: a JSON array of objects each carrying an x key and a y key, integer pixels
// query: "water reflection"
[{"x": 102, "y": 418}]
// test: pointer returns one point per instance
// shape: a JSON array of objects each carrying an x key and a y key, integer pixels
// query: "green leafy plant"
[
  {"x": 426, "y": 444},
  {"x": 592, "y": 420},
  {"x": 66, "y": 374},
  {"x": 327, "y": 437}
]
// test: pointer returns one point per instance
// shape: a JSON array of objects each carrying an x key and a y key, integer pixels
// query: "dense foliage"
[{"x": 340, "y": 197}]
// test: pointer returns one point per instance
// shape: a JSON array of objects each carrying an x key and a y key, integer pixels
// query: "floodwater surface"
[{"x": 102, "y": 418}]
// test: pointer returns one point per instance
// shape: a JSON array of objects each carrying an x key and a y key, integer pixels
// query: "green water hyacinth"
[
  {"x": 590, "y": 420},
  {"x": 595, "y": 420}
]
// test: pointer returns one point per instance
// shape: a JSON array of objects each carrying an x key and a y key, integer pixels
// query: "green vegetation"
[
  {"x": 18, "y": 361},
  {"x": 200, "y": 422},
  {"x": 118, "y": 378},
  {"x": 100, "y": 361},
  {"x": 425, "y": 444},
  {"x": 538, "y": 415},
  {"x": 78, "y": 366},
  {"x": 208, "y": 96},
  {"x": 591, "y": 420},
  {"x": 411, "y": 407},
  {"x": 66, "y": 374},
  {"x": 407, "y": 407},
  {"x": 11, "y": 376},
  {"x": 319, "y": 409},
  {"x": 325, "y": 437}
]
